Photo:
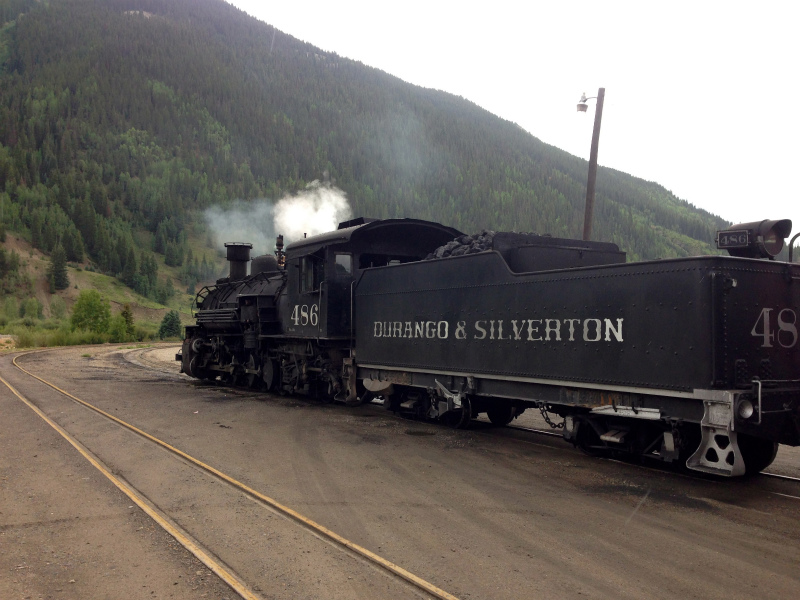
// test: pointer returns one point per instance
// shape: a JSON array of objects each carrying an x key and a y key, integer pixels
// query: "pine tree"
[
  {"x": 73, "y": 244},
  {"x": 58, "y": 269},
  {"x": 131, "y": 268},
  {"x": 127, "y": 314},
  {"x": 170, "y": 325}
]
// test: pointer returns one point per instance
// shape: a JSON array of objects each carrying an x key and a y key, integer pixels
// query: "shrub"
[
  {"x": 91, "y": 312},
  {"x": 145, "y": 331},
  {"x": 58, "y": 308},
  {"x": 118, "y": 329},
  {"x": 11, "y": 308},
  {"x": 63, "y": 336},
  {"x": 127, "y": 314},
  {"x": 32, "y": 309}
]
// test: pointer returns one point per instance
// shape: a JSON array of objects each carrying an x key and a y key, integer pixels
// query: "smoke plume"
[{"x": 317, "y": 209}]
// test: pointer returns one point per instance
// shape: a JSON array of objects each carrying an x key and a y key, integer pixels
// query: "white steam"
[
  {"x": 243, "y": 222},
  {"x": 317, "y": 209}
]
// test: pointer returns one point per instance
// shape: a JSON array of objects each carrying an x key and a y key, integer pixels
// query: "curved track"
[{"x": 181, "y": 536}]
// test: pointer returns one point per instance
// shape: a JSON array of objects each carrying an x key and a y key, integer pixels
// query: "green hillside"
[{"x": 120, "y": 120}]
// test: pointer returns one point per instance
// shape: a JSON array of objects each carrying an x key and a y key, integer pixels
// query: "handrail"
[{"x": 791, "y": 244}]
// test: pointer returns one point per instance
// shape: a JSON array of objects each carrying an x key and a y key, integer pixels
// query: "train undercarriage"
[
  {"x": 628, "y": 427},
  {"x": 692, "y": 437},
  {"x": 280, "y": 365}
]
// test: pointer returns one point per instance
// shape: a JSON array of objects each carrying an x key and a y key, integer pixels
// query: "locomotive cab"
[{"x": 323, "y": 269}]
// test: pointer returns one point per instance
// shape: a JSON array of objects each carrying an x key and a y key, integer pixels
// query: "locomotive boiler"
[{"x": 693, "y": 360}]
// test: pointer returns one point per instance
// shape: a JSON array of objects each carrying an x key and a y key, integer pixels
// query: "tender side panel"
[{"x": 638, "y": 325}]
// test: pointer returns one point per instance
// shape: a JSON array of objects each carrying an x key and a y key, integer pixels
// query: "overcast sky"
[{"x": 701, "y": 97}]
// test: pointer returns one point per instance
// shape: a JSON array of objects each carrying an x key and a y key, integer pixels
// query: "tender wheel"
[
  {"x": 757, "y": 453},
  {"x": 459, "y": 419},
  {"x": 588, "y": 440},
  {"x": 366, "y": 397},
  {"x": 501, "y": 414}
]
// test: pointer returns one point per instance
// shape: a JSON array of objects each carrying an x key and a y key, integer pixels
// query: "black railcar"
[{"x": 692, "y": 359}]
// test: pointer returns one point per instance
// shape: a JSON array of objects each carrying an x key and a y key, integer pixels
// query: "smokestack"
[{"x": 238, "y": 256}]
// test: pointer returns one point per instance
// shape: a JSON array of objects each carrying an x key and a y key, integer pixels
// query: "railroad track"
[
  {"x": 231, "y": 579},
  {"x": 536, "y": 431},
  {"x": 777, "y": 476}
]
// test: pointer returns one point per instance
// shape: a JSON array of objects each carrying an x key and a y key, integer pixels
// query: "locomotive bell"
[
  {"x": 760, "y": 239},
  {"x": 238, "y": 257},
  {"x": 280, "y": 255}
]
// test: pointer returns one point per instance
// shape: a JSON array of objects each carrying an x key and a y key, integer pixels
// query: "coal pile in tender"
[{"x": 465, "y": 244}]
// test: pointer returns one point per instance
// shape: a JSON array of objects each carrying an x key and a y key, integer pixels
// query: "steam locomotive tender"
[{"x": 694, "y": 359}]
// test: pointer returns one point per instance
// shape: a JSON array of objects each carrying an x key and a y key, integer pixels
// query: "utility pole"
[{"x": 590, "y": 183}]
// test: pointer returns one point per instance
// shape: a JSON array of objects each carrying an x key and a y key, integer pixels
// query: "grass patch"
[
  {"x": 116, "y": 291},
  {"x": 47, "y": 334}
]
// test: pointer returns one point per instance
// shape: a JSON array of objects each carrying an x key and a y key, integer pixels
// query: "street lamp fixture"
[
  {"x": 582, "y": 106},
  {"x": 598, "y": 115}
]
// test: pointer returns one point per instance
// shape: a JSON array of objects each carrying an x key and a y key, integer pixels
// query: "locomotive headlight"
[
  {"x": 745, "y": 409},
  {"x": 761, "y": 239}
]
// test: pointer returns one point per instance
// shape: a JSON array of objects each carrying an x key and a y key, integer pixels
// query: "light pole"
[{"x": 598, "y": 115}]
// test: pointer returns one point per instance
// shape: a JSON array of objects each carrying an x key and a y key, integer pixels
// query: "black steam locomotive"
[{"x": 694, "y": 359}]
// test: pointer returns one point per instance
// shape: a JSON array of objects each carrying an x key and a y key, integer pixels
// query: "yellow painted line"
[
  {"x": 232, "y": 580},
  {"x": 324, "y": 531}
]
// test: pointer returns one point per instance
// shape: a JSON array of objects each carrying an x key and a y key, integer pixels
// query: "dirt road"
[{"x": 482, "y": 513}]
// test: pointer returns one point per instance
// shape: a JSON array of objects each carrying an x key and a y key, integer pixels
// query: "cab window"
[
  {"x": 344, "y": 264},
  {"x": 312, "y": 270}
]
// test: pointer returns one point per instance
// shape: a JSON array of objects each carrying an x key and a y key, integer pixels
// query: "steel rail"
[
  {"x": 315, "y": 527},
  {"x": 180, "y": 535},
  {"x": 537, "y": 431},
  {"x": 779, "y": 476}
]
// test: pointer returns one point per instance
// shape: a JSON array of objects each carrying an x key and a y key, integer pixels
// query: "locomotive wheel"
[
  {"x": 239, "y": 379},
  {"x": 757, "y": 453},
  {"x": 197, "y": 345},
  {"x": 252, "y": 379},
  {"x": 268, "y": 371},
  {"x": 194, "y": 370},
  {"x": 190, "y": 367},
  {"x": 232, "y": 379},
  {"x": 501, "y": 414}
]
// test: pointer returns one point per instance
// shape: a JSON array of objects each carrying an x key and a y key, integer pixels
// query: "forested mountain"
[{"x": 121, "y": 119}]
